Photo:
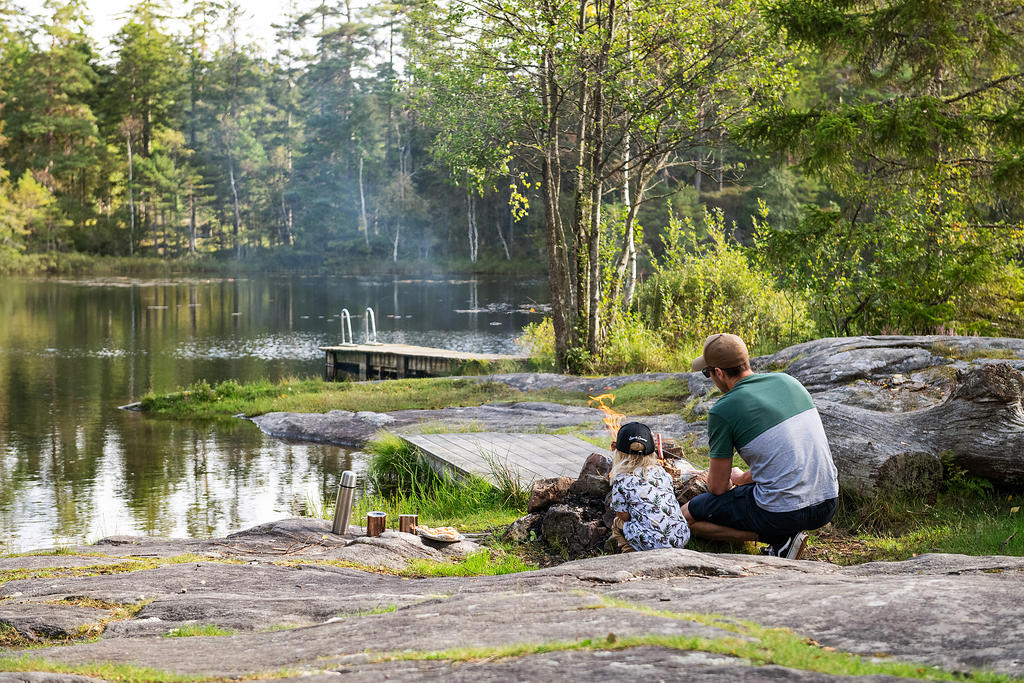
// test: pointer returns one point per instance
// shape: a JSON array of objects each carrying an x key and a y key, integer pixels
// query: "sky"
[{"x": 109, "y": 15}]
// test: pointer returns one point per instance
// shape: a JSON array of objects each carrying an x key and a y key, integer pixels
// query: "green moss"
[
  {"x": 754, "y": 643},
  {"x": 103, "y": 671},
  {"x": 384, "y": 609},
  {"x": 782, "y": 365},
  {"x": 957, "y": 353},
  {"x": 199, "y": 630},
  {"x": 127, "y": 565},
  {"x": 483, "y": 563}
]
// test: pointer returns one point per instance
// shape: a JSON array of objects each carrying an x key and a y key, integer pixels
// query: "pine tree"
[
  {"x": 923, "y": 147},
  {"x": 50, "y": 128}
]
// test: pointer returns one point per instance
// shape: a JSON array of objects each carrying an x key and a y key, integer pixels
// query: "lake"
[{"x": 74, "y": 467}]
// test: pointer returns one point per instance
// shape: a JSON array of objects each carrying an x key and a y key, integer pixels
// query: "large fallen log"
[{"x": 979, "y": 427}]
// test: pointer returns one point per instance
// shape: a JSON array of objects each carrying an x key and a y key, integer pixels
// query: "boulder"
[
  {"x": 573, "y": 530},
  {"x": 313, "y": 620},
  {"x": 980, "y": 427},
  {"x": 687, "y": 489},
  {"x": 526, "y": 528},
  {"x": 592, "y": 487},
  {"x": 597, "y": 464},
  {"x": 546, "y": 492}
]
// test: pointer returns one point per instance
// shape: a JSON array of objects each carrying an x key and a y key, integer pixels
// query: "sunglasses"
[{"x": 707, "y": 371}]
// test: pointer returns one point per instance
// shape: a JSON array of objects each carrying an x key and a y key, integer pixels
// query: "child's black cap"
[{"x": 635, "y": 437}]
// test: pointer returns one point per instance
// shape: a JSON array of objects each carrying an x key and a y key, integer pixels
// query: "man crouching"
[{"x": 770, "y": 420}]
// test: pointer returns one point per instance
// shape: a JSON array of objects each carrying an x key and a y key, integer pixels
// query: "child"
[{"x": 642, "y": 495}]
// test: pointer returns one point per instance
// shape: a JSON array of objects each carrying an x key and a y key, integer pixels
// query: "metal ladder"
[{"x": 369, "y": 328}]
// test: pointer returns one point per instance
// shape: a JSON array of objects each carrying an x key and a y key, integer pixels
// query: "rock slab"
[{"x": 321, "y": 621}]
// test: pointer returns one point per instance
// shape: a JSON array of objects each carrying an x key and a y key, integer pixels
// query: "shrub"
[
  {"x": 634, "y": 347},
  {"x": 992, "y": 307},
  {"x": 703, "y": 287},
  {"x": 538, "y": 340}
]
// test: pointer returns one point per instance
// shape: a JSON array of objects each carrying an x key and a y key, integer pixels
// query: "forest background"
[{"x": 782, "y": 169}]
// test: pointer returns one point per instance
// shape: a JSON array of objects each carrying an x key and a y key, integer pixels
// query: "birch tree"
[{"x": 580, "y": 98}]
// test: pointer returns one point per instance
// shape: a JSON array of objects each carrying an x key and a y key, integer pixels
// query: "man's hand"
[{"x": 738, "y": 477}]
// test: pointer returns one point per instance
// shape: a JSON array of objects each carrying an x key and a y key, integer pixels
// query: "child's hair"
[
  {"x": 634, "y": 449},
  {"x": 628, "y": 463}
]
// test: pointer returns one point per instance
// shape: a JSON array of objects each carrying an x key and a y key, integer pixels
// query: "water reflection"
[{"x": 73, "y": 467}]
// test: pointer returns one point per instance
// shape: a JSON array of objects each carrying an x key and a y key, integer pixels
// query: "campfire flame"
[{"x": 612, "y": 419}]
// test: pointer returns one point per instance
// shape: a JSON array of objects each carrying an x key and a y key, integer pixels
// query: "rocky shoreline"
[
  {"x": 879, "y": 373},
  {"x": 297, "y": 612},
  {"x": 298, "y": 602}
]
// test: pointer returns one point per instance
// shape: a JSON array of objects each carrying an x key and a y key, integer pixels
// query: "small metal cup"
[
  {"x": 375, "y": 522},
  {"x": 407, "y": 523}
]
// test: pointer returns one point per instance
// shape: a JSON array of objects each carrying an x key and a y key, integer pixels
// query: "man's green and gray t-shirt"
[{"x": 773, "y": 424}]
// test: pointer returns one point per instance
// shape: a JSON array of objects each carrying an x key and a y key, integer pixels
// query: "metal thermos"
[{"x": 343, "y": 506}]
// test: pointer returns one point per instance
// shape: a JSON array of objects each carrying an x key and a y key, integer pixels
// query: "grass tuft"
[
  {"x": 401, "y": 481},
  {"x": 482, "y": 563},
  {"x": 383, "y": 609},
  {"x": 199, "y": 630},
  {"x": 127, "y": 565}
]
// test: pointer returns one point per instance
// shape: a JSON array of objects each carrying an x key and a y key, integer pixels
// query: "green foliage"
[
  {"x": 502, "y": 88},
  {"x": 920, "y": 144},
  {"x": 538, "y": 340},
  {"x": 28, "y": 215},
  {"x": 700, "y": 288},
  {"x": 632, "y": 347},
  {"x": 899, "y": 263},
  {"x": 993, "y": 306}
]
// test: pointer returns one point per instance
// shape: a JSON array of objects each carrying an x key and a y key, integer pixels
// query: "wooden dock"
[
  {"x": 528, "y": 456},
  {"x": 397, "y": 361}
]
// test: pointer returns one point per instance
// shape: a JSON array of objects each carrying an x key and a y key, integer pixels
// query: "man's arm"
[
  {"x": 719, "y": 472},
  {"x": 720, "y": 449}
]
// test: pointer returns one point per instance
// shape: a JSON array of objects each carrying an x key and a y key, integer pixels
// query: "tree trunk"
[
  {"x": 980, "y": 428},
  {"x": 362, "y": 206},
  {"x": 191, "y": 221},
  {"x": 131, "y": 198},
  {"x": 234, "y": 199},
  {"x": 558, "y": 258},
  {"x": 394, "y": 246},
  {"x": 501, "y": 237},
  {"x": 472, "y": 227}
]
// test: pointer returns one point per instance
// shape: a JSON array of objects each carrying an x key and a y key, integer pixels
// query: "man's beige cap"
[{"x": 722, "y": 350}]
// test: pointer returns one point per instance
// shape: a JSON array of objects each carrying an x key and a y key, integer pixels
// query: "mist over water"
[{"x": 73, "y": 467}]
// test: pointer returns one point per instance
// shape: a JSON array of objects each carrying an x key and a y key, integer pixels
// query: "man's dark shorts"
[{"x": 737, "y": 509}]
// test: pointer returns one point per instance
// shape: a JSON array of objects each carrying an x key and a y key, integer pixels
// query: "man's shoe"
[{"x": 791, "y": 549}]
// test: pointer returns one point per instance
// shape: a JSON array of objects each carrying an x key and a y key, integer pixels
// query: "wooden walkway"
[
  {"x": 528, "y": 456},
  {"x": 385, "y": 361}
]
